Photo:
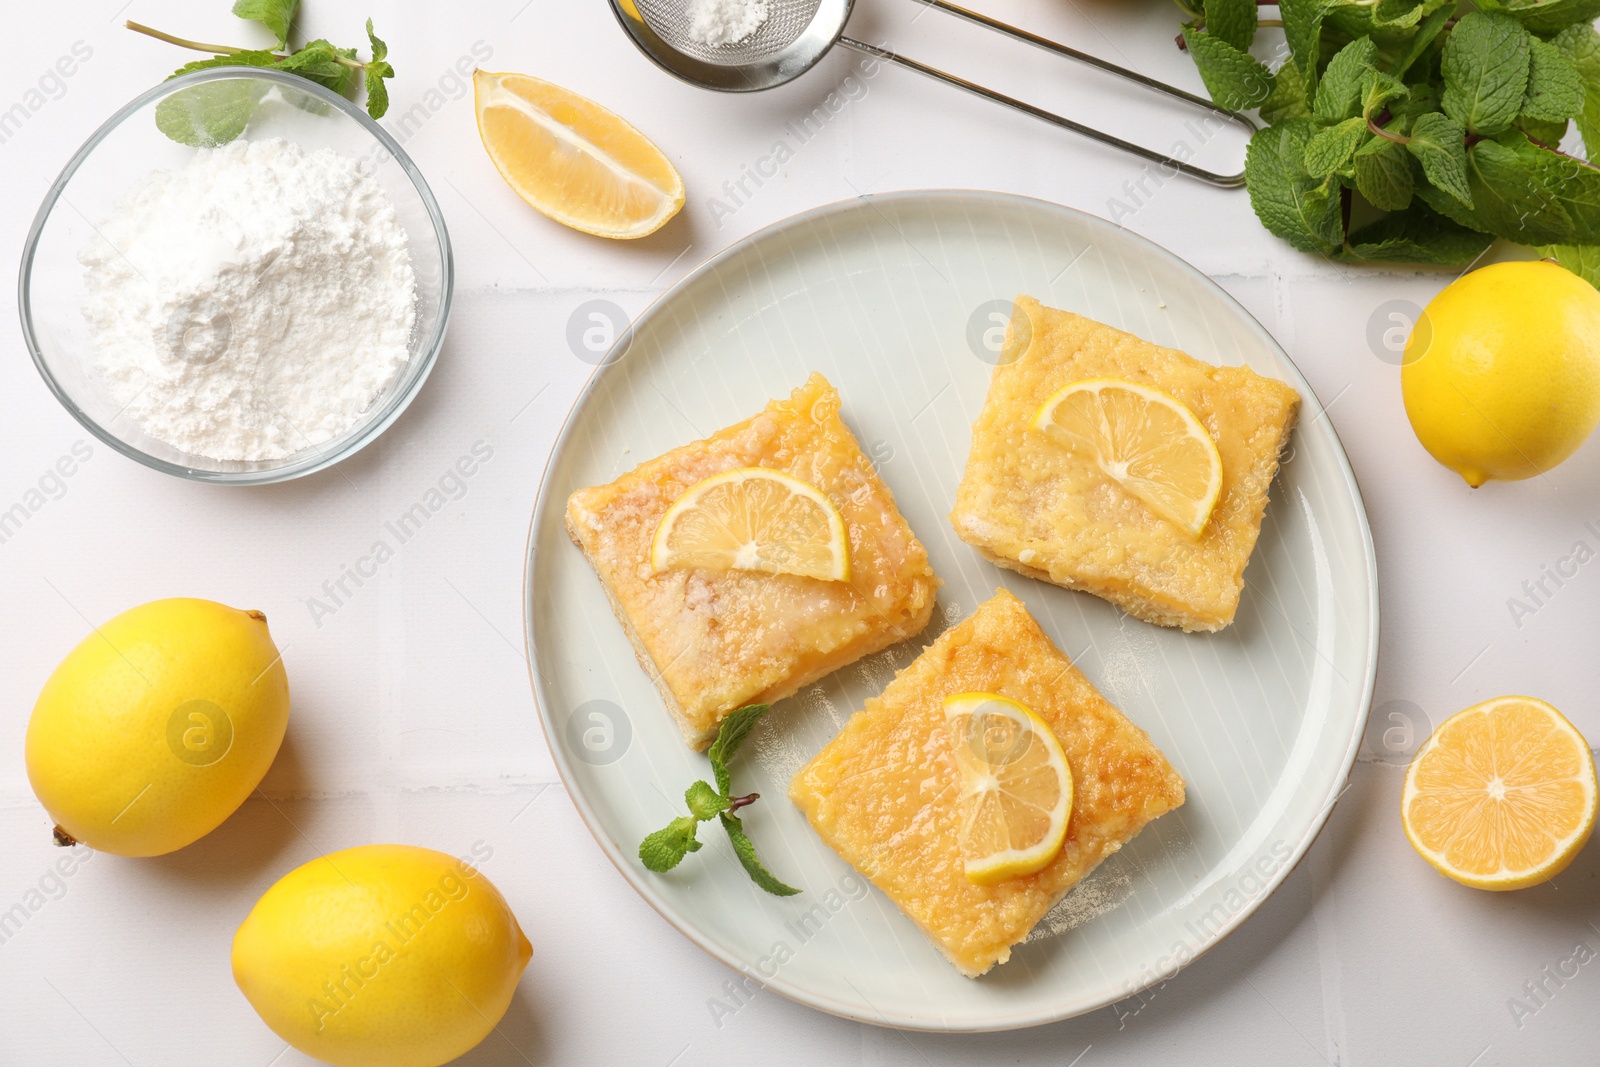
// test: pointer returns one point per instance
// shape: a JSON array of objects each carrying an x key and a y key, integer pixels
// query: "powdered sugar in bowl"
[{"x": 247, "y": 312}]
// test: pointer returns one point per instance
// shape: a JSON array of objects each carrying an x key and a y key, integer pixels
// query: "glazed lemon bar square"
[
  {"x": 715, "y": 640},
  {"x": 883, "y": 793},
  {"x": 1033, "y": 506}
]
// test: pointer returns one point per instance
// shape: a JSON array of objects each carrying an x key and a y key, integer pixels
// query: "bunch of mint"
[
  {"x": 217, "y": 112},
  {"x": 665, "y": 849},
  {"x": 1443, "y": 131}
]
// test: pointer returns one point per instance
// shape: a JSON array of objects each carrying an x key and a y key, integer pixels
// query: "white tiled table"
[{"x": 413, "y": 719}]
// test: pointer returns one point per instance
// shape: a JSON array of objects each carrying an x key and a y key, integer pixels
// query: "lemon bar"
[
  {"x": 1035, "y": 507},
  {"x": 713, "y": 641},
  {"x": 883, "y": 792}
]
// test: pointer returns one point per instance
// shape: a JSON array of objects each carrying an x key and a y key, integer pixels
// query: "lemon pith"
[
  {"x": 381, "y": 956},
  {"x": 1145, "y": 440},
  {"x": 1501, "y": 374},
  {"x": 1016, "y": 787},
  {"x": 574, "y": 160},
  {"x": 158, "y": 725},
  {"x": 754, "y": 519},
  {"x": 1502, "y": 796}
]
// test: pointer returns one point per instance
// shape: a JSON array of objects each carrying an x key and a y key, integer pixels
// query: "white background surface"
[{"x": 413, "y": 720}]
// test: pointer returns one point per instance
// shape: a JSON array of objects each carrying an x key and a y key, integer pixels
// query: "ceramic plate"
[{"x": 900, "y": 301}]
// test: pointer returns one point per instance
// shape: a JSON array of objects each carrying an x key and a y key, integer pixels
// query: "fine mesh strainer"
[{"x": 797, "y": 33}]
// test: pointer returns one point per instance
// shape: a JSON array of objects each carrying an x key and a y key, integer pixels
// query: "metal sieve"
[{"x": 797, "y": 33}]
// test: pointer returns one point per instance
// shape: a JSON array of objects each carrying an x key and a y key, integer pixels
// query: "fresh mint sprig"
[
  {"x": 1404, "y": 131},
  {"x": 215, "y": 113},
  {"x": 665, "y": 849}
]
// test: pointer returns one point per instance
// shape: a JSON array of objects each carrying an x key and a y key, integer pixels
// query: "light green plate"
[{"x": 899, "y": 300}]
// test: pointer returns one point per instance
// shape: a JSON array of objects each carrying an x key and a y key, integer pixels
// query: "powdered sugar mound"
[
  {"x": 1106, "y": 889},
  {"x": 252, "y": 304},
  {"x": 720, "y": 22}
]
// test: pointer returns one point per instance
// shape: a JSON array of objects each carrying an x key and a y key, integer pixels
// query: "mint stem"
[
  {"x": 220, "y": 49},
  {"x": 1552, "y": 148},
  {"x": 1397, "y": 138},
  {"x": 735, "y": 803}
]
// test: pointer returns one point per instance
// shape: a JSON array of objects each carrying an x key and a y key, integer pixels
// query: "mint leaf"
[
  {"x": 1385, "y": 17},
  {"x": 1233, "y": 21},
  {"x": 1330, "y": 150},
  {"x": 1422, "y": 100},
  {"x": 1439, "y": 143},
  {"x": 377, "y": 91},
  {"x": 1512, "y": 199},
  {"x": 665, "y": 849},
  {"x": 319, "y": 62},
  {"x": 1302, "y": 30},
  {"x": 746, "y": 851},
  {"x": 1416, "y": 235},
  {"x": 1546, "y": 16},
  {"x": 735, "y": 728},
  {"x": 1545, "y": 133},
  {"x": 1581, "y": 44},
  {"x": 1236, "y": 80},
  {"x": 378, "y": 69},
  {"x": 211, "y": 113},
  {"x": 1555, "y": 90},
  {"x": 704, "y": 802},
  {"x": 1378, "y": 90},
  {"x": 1302, "y": 210},
  {"x": 1485, "y": 67},
  {"x": 275, "y": 15},
  {"x": 379, "y": 49},
  {"x": 1582, "y": 260},
  {"x": 1383, "y": 174},
  {"x": 254, "y": 58},
  {"x": 1338, "y": 94},
  {"x": 1287, "y": 100},
  {"x": 1509, "y": 199},
  {"x": 1574, "y": 184},
  {"x": 1426, "y": 34}
]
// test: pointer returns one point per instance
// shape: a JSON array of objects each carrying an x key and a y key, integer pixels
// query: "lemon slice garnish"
[
  {"x": 754, "y": 519},
  {"x": 1502, "y": 795},
  {"x": 1144, "y": 440},
  {"x": 579, "y": 163},
  {"x": 1016, "y": 789}
]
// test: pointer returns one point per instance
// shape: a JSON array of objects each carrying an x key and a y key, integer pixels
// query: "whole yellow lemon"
[
  {"x": 381, "y": 956},
  {"x": 1501, "y": 375},
  {"x": 158, "y": 725}
]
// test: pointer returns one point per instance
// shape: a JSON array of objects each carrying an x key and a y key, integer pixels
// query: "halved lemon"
[
  {"x": 579, "y": 163},
  {"x": 1016, "y": 788},
  {"x": 754, "y": 519},
  {"x": 1143, "y": 439},
  {"x": 1502, "y": 796}
]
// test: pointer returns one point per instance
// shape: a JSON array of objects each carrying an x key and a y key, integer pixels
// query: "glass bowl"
[{"x": 52, "y": 289}]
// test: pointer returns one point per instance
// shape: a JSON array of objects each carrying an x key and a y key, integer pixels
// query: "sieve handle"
[
  {"x": 1178, "y": 166},
  {"x": 1084, "y": 57}
]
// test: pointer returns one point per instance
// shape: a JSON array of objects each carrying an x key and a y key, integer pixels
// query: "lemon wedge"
[
  {"x": 1016, "y": 788},
  {"x": 754, "y": 519},
  {"x": 1502, "y": 796},
  {"x": 1144, "y": 440},
  {"x": 579, "y": 163}
]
